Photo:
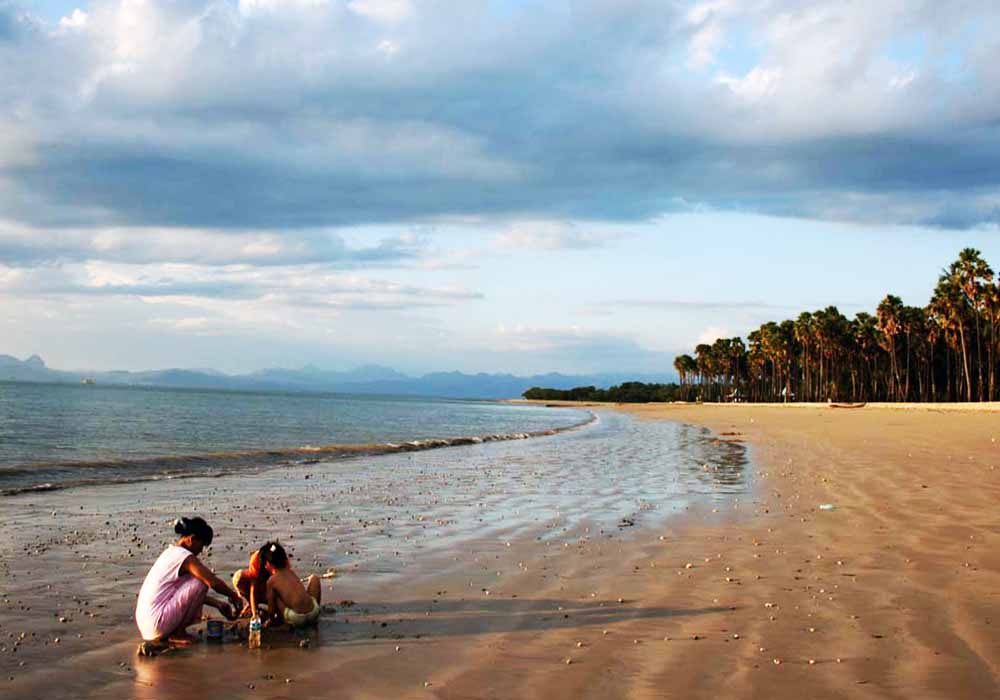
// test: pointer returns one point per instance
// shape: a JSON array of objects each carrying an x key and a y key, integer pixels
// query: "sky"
[{"x": 493, "y": 185}]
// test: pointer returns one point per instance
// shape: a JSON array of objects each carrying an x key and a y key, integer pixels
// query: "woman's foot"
[
  {"x": 151, "y": 648},
  {"x": 182, "y": 639}
]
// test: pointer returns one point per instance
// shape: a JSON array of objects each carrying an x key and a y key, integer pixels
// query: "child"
[
  {"x": 251, "y": 582},
  {"x": 287, "y": 599}
]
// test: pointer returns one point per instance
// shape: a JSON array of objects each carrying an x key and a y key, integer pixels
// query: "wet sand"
[{"x": 893, "y": 594}]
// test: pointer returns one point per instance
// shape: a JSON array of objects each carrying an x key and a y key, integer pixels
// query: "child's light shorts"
[{"x": 303, "y": 619}]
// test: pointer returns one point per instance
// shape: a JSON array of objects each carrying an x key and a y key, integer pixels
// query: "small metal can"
[{"x": 215, "y": 630}]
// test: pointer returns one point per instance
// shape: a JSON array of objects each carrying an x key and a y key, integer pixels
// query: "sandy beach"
[{"x": 894, "y": 593}]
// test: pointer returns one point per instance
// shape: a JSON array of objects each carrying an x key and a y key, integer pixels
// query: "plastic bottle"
[{"x": 255, "y": 627}]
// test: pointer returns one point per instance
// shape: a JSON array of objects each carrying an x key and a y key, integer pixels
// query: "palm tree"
[
  {"x": 805, "y": 335},
  {"x": 973, "y": 275},
  {"x": 889, "y": 315},
  {"x": 913, "y": 323},
  {"x": 831, "y": 330},
  {"x": 687, "y": 369},
  {"x": 703, "y": 361},
  {"x": 868, "y": 342},
  {"x": 946, "y": 351},
  {"x": 948, "y": 309},
  {"x": 681, "y": 369},
  {"x": 992, "y": 306},
  {"x": 756, "y": 366}
]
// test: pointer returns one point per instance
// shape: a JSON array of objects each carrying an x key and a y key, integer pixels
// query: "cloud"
[
  {"x": 251, "y": 7},
  {"x": 197, "y": 325},
  {"x": 255, "y": 114},
  {"x": 551, "y": 235},
  {"x": 682, "y": 305},
  {"x": 75, "y": 21},
  {"x": 308, "y": 288},
  {"x": 710, "y": 335},
  {"x": 390, "y": 11},
  {"x": 23, "y": 245},
  {"x": 755, "y": 85}
]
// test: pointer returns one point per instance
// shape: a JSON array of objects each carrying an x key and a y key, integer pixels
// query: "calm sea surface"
[{"x": 58, "y": 435}]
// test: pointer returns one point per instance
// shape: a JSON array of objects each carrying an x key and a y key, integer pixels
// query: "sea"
[{"x": 59, "y": 436}]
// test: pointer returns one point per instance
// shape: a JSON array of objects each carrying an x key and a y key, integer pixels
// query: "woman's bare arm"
[
  {"x": 201, "y": 572},
  {"x": 221, "y": 606}
]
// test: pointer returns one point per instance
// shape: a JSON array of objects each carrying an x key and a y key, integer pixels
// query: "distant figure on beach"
[
  {"x": 251, "y": 583},
  {"x": 176, "y": 588},
  {"x": 288, "y": 600}
]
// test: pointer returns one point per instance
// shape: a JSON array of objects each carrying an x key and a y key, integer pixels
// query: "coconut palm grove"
[{"x": 947, "y": 350}]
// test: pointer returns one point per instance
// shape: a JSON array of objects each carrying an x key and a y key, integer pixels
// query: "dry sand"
[{"x": 894, "y": 594}]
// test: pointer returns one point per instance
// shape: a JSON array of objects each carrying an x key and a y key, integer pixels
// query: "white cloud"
[
  {"x": 263, "y": 113},
  {"x": 201, "y": 325},
  {"x": 900, "y": 82},
  {"x": 276, "y": 290},
  {"x": 251, "y": 7},
  {"x": 389, "y": 11},
  {"x": 25, "y": 245},
  {"x": 388, "y": 48},
  {"x": 707, "y": 21},
  {"x": 552, "y": 235},
  {"x": 710, "y": 335},
  {"x": 755, "y": 85},
  {"x": 76, "y": 21}
]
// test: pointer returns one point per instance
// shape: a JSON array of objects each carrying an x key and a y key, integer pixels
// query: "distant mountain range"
[{"x": 369, "y": 379}]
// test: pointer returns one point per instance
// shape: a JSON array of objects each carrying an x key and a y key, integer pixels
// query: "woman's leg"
[{"x": 183, "y": 610}]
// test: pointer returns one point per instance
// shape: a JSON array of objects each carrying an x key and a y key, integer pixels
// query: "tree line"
[
  {"x": 947, "y": 350},
  {"x": 628, "y": 392}
]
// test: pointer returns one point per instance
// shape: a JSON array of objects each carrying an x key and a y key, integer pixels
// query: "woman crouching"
[{"x": 176, "y": 588}]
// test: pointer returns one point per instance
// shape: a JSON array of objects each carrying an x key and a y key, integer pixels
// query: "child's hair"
[
  {"x": 274, "y": 554},
  {"x": 196, "y": 527}
]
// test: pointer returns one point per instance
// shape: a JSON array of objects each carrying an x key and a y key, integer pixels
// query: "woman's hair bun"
[{"x": 195, "y": 527}]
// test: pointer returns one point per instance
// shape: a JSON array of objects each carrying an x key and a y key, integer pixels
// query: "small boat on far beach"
[{"x": 848, "y": 405}]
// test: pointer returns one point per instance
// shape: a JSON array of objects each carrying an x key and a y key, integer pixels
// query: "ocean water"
[{"x": 53, "y": 436}]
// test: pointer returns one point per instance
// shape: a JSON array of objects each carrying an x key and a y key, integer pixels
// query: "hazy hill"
[{"x": 369, "y": 379}]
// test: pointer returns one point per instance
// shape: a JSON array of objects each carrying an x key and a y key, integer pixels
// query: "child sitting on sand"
[
  {"x": 251, "y": 583},
  {"x": 287, "y": 599}
]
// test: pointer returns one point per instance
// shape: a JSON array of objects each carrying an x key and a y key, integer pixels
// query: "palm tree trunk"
[
  {"x": 993, "y": 328},
  {"x": 965, "y": 363},
  {"x": 930, "y": 369},
  {"x": 906, "y": 391},
  {"x": 979, "y": 357}
]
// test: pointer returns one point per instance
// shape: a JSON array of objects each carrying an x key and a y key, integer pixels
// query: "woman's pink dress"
[{"x": 168, "y": 601}]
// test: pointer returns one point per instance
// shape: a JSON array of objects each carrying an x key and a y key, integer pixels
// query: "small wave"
[{"x": 69, "y": 474}]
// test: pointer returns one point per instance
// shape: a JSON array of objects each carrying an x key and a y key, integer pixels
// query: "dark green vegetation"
[
  {"x": 945, "y": 351},
  {"x": 628, "y": 392}
]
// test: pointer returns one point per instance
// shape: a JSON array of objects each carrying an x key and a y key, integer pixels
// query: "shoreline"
[
  {"x": 970, "y": 407},
  {"x": 891, "y": 594}
]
